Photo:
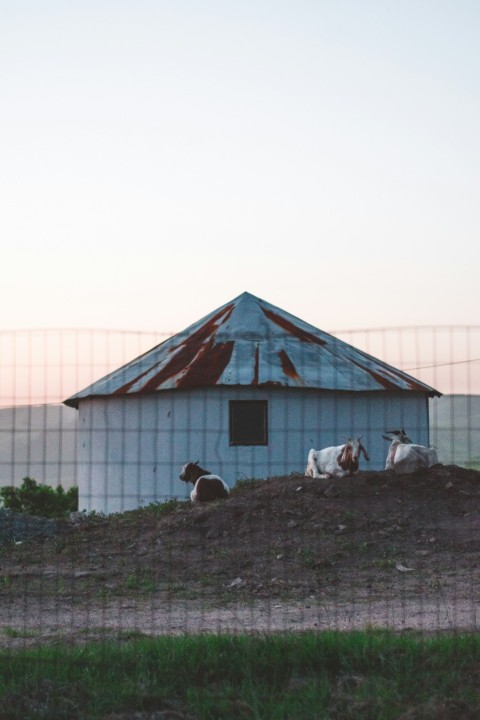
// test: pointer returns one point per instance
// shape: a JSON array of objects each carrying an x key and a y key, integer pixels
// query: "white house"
[{"x": 246, "y": 391}]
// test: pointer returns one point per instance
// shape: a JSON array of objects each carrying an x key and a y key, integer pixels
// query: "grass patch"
[
  {"x": 142, "y": 581},
  {"x": 371, "y": 676},
  {"x": 16, "y": 633},
  {"x": 246, "y": 483},
  {"x": 166, "y": 507}
]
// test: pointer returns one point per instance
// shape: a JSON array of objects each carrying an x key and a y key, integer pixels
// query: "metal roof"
[{"x": 250, "y": 342}]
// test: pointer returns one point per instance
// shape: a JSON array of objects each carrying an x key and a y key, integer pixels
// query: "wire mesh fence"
[{"x": 286, "y": 552}]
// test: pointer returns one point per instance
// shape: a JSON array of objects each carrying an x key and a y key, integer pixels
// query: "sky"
[{"x": 159, "y": 158}]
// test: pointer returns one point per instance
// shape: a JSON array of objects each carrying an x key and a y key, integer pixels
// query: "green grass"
[
  {"x": 15, "y": 633},
  {"x": 367, "y": 676},
  {"x": 142, "y": 581},
  {"x": 166, "y": 507}
]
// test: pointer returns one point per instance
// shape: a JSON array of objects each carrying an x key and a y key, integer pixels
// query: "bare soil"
[{"x": 287, "y": 553}]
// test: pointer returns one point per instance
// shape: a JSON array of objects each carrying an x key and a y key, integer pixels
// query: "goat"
[
  {"x": 206, "y": 486},
  {"x": 400, "y": 434},
  {"x": 336, "y": 461},
  {"x": 405, "y": 457}
]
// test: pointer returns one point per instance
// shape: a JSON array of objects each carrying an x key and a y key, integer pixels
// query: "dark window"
[{"x": 248, "y": 422}]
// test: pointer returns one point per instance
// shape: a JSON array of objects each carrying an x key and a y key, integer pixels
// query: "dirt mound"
[{"x": 374, "y": 539}]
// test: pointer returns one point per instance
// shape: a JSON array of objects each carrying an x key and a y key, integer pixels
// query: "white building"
[{"x": 246, "y": 391}]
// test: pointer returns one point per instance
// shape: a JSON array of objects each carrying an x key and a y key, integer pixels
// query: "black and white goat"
[{"x": 206, "y": 486}]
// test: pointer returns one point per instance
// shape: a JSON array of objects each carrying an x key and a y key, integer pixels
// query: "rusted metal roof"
[{"x": 250, "y": 342}]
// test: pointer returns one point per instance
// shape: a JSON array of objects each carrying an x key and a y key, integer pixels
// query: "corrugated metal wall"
[{"x": 131, "y": 449}]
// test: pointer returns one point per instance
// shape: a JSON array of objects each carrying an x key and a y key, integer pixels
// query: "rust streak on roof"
[
  {"x": 187, "y": 350},
  {"x": 256, "y": 366},
  {"x": 287, "y": 365},
  {"x": 208, "y": 366},
  {"x": 123, "y": 389},
  {"x": 293, "y": 329},
  {"x": 395, "y": 374},
  {"x": 383, "y": 379}
]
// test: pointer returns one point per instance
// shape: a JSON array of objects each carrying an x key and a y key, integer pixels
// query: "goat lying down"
[
  {"x": 206, "y": 486},
  {"x": 336, "y": 461},
  {"x": 405, "y": 457},
  {"x": 401, "y": 435}
]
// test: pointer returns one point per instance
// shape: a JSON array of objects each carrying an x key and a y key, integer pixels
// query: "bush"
[{"x": 42, "y": 500}]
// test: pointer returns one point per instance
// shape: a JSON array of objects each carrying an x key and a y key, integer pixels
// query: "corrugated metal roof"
[{"x": 248, "y": 341}]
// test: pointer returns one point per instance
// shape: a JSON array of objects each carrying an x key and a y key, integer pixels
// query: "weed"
[
  {"x": 384, "y": 563},
  {"x": 188, "y": 594},
  {"x": 16, "y": 633},
  {"x": 142, "y": 581},
  {"x": 167, "y": 507},
  {"x": 245, "y": 482},
  {"x": 307, "y": 558}
]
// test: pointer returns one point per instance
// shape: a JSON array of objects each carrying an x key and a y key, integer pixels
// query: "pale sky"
[{"x": 158, "y": 158}]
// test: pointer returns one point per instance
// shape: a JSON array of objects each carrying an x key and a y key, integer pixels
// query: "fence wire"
[{"x": 396, "y": 556}]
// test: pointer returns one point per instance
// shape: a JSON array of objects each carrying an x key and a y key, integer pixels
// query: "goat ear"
[{"x": 196, "y": 462}]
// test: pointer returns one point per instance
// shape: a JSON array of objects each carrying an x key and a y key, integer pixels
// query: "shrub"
[{"x": 36, "y": 499}]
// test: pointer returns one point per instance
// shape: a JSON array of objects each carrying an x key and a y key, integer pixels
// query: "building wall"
[{"x": 131, "y": 449}]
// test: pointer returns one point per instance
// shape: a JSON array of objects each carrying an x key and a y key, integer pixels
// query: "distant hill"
[
  {"x": 40, "y": 440},
  {"x": 455, "y": 429}
]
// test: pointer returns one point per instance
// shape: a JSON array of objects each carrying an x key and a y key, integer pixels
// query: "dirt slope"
[{"x": 409, "y": 545}]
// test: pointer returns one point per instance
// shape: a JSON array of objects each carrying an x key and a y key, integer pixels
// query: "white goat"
[
  {"x": 400, "y": 435},
  {"x": 405, "y": 457},
  {"x": 336, "y": 461}
]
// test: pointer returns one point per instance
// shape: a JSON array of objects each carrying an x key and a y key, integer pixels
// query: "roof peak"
[{"x": 250, "y": 342}]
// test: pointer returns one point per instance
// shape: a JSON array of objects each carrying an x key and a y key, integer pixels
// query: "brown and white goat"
[
  {"x": 206, "y": 486},
  {"x": 336, "y": 461}
]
